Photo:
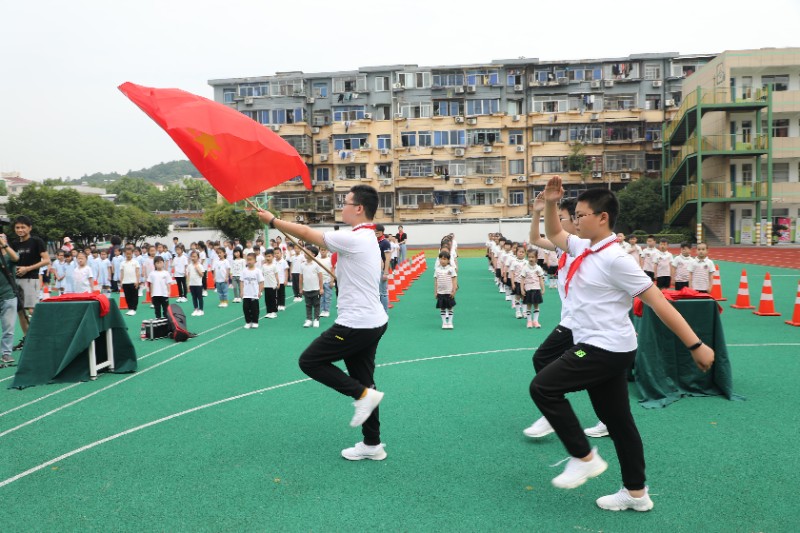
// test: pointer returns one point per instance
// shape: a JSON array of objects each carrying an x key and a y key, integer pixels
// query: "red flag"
[{"x": 237, "y": 155}]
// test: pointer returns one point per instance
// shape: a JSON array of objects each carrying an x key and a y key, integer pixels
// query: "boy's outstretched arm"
[{"x": 553, "y": 193}]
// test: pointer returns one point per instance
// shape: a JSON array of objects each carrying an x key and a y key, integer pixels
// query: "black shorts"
[
  {"x": 663, "y": 282},
  {"x": 497, "y": 273},
  {"x": 552, "y": 270},
  {"x": 517, "y": 289},
  {"x": 533, "y": 297},
  {"x": 681, "y": 284},
  {"x": 445, "y": 301},
  {"x": 540, "y": 262},
  {"x": 650, "y": 274}
]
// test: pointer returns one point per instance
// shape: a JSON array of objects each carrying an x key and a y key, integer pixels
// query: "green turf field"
[{"x": 224, "y": 433}]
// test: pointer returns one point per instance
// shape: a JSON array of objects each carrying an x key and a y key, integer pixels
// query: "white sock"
[{"x": 536, "y": 315}]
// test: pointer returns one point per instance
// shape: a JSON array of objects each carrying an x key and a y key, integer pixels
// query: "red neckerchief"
[
  {"x": 577, "y": 262},
  {"x": 365, "y": 225},
  {"x": 381, "y": 238},
  {"x": 562, "y": 260}
]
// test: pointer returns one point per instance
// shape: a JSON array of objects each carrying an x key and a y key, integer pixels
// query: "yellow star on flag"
[{"x": 209, "y": 142}]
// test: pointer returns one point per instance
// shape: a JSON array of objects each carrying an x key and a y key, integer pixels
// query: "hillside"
[{"x": 161, "y": 173}]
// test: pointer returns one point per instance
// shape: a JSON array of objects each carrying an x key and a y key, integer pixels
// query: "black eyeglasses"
[
  {"x": 578, "y": 217},
  {"x": 349, "y": 203}
]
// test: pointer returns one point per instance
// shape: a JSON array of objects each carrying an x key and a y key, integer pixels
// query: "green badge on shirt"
[{"x": 580, "y": 353}]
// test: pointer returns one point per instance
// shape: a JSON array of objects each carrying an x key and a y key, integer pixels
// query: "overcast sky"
[{"x": 61, "y": 114}]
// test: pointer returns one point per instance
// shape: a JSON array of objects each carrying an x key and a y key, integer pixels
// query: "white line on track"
[
  {"x": 763, "y": 344},
  {"x": 220, "y": 402}
]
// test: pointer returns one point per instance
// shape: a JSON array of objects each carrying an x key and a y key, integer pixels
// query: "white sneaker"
[
  {"x": 131, "y": 312},
  {"x": 237, "y": 300},
  {"x": 194, "y": 313},
  {"x": 622, "y": 500},
  {"x": 519, "y": 312},
  {"x": 365, "y": 406},
  {"x": 600, "y": 430},
  {"x": 298, "y": 299},
  {"x": 247, "y": 326},
  {"x": 449, "y": 325},
  {"x": 508, "y": 297},
  {"x": 272, "y": 315},
  {"x": 224, "y": 305},
  {"x": 254, "y": 325},
  {"x": 201, "y": 313},
  {"x": 281, "y": 308},
  {"x": 205, "y": 293},
  {"x": 220, "y": 305},
  {"x": 577, "y": 472},
  {"x": 152, "y": 306},
  {"x": 324, "y": 314},
  {"x": 307, "y": 324},
  {"x": 362, "y": 451},
  {"x": 315, "y": 324},
  {"x": 539, "y": 429}
]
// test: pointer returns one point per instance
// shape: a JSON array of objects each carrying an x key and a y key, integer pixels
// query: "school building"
[{"x": 471, "y": 142}]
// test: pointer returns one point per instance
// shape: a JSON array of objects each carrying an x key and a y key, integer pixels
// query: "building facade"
[{"x": 465, "y": 142}]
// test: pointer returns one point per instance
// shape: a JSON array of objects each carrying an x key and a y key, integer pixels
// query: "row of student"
[{"x": 682, "y": 270}]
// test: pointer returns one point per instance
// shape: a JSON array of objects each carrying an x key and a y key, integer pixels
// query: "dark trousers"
[
  {"x": 160, "y": 303},
  {"x": 205, "y": 280},
  {"x": 663, "y": 282},
  {"x": 296, "y": 285},
  {"x": 603, "y": 375},
  {"x": 250, "y": 308},
  {"x": 271, "y": 299},
  {"x": 131, "y": 295},
  {"x": 114, "y": 285},
  {"x": 681, "y": 284},
  {"x": 197, "y": 296},
  {"x": 356, "y": 347},
  {"x": 558, "y": 342},
  {"x": 312, "y": 304},
  {"x": 282, "y": 295},
  {"x": 181, "y": 281}
]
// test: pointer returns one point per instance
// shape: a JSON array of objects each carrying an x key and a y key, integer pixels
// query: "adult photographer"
[
  {"x": 8, "y": 301},
  {"x": 32, "y": 255}
]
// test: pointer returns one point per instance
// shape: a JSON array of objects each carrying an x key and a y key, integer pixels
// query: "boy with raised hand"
[
  {"x": 599, "y": 287},
  {"x": 361, "y": 320}
]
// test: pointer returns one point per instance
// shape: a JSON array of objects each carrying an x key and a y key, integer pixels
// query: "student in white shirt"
[
  {"x": 271, "y": 275},
  {"x": 296, "y": 259},
  {"x": 222, "y": 272},
  {"x": 82, "y": 276},
  {"x": 283, "y": 275},
  {"x": 662, "y": 262},
  {"x": 311, "y": 282},
  {"x": 361, "y": 320},
  {"x": 680, "y": 266},
  {"x": 604, "y": 280},
  {"x": 238, "y": 264},
  {"x": 180, "y": 263},
  {"x": 327, "y": 283},
  {"x": 701, "y": 271},
  {"x": 158, "y": 282},
  {"x": 196, "y": 276},
  {"x": 129, "y": 279},
  {"x": 648, "y": 255},
  {"x": 445, "y": 285},
  {"x": 251, "y": 284}
]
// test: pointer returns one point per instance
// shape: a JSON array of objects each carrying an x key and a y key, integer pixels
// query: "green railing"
[
  {"x": 715, "y": 191},
  {"x": 715, "y": 143},
  {"x": 715, "y": 96}
]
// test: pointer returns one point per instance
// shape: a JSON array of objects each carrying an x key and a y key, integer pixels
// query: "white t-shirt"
[
  {"x": 283, "y": 265},
  {"x": 663, "y": 262},
  {"x": 82, "y": 279},
  {"x": 701, "y": 270},
  {"x": 270, "y": 272},
  {"x": 179, "y": 263},
  {"x": 600, "y": 295},
  {"x": 395, "y": 250},
  {"x": 561, "y": 279},
  {"x": 517, "y": 266},
  {"x": 195, "y": 278},
  {"x": 358, "y": 272},
  {"x": 444, "y": 278},
  {"x": 310, "y": 273},
  {"x": 326, "y": 278},
  {"x": 681, "y": 264},
  {"x": 532, "y": 277},
  {"x": 250, "y": 280},
  {"x": 159, "y": 281},
  {"x": 221, "y": 270},
  {"x": 649, "y": 255},
  {"x": 128, "y": 271},
  {"x": 298, "y": 259},
  {"x": 237, "y": 267}
]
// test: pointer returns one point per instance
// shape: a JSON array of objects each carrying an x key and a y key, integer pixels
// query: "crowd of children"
[{"x": 668, "y": 270}]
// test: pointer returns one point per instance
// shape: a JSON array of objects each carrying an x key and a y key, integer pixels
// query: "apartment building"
[
  {"x": 732, "y": 149},
  {"x": 466, "y": 142}
]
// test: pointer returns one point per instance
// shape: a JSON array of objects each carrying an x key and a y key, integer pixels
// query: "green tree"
[
  {"x": 641, "y": 205},
  {"x": 233, "y": 223},
  {"x": 3, "y": 188},
  {"x": 132, "y": 191},
  {"x": 134, "y": 224},
  {"x": 578, "y": 161}
]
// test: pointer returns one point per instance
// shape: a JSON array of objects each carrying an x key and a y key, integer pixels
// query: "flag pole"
[{"x": 294, "y": 241}]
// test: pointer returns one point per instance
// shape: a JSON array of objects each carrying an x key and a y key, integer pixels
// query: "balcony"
[
  {"x": 679, "y": 214},
  {"x": 684, "y": 161}
]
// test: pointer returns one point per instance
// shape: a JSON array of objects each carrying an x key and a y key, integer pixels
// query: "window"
[
  {"x": 382, "y": 83},
  {"x": 483, "y": 196},
  {"x": 384, "y": 142},
  {"x": 652, "y": 71},
  {"x": 483, "y": 77},
  {"x": 514, "y": 77},
  {"x": 483, "y": 137},
  {"x": 286, "y": 88},
  {"x": 385, "y": 199},
  {"x": 455, "y": 168},
  {"x": 228, "y": 95},
  {"x": 485, "y": 166},
  {"x": 624, "y": 162},
  {"x": 747, "y": 213},
  {"x": 780, "y": 172},
  {"x": 513, "y": 107},
  {"x": 416, "y": 168},
  {"x": 779, "y": 82},
  {"x": 252, "y": 114},
  {"x": 516, "y": 137},
  {"x": 414, "y": 80},
  {"x": 350, "y": 84},
  {"x": 349, "y": 143},
  {"x": 324, "y": 202},
  {"x": 321, "y": 146},
  {"x": 448, "y": 79},
  {"x": 549, "y": 164},
  {"x": 416, "y": 110},
  {"x": 652, "y": 132},
  {"x": 483, "y": 107},
  {"x": 413, "y": 197},
  {"x": 584, "y": 73},
  {"x": 619, "y": 102},
  {"x": 424, "y": 138},
  {"x": 321, "y": 118},
  {"x": 408, "y": 138},
  {"x": 550, "y": 103},
  {"x": 301, "y": 143},
  {"x": 516, "y": 166},
  {"x": 652, "y": 101},
  {"x": 450, "y": 197},
  {"x": 323, "y": 174},
  {"x": 320, "y": 89},
  {"x": 516, "y": 197},
  {"x": 383, "y": 170},
  {"x": 283, "y": 201},
  {"x": 623, "y": 131},
  {"x": 449, "y": 138},
  {"x": 540, "y": 76},
  {"x": 585, "y": 133},
  {"x": 623, "y": 70},
  {"x": 653, "y": 162},
  {"x": 382, "y": 112},
  {"x": 550, "y": 134},
  {"x": 348, "y": 112},
  {"x": 448, "y": 108},
  {"x": 780, "y": 127},
  {"x": 351, "y": 172},
  {"x": 254, "y": 89}
]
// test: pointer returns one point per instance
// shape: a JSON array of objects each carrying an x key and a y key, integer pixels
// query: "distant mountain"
[{"x": 161, "y": 173}]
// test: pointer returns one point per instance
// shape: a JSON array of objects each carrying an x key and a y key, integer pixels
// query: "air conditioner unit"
[
  {"x": 384, "y": 151},
  {"x": 386, "y": 183},
  {"x": 471, "y": 88},
  {"x": 608, "y": 83},
  {"x": 595, "y": 116},
  {"x": 515, "y": 118},
  {"x": 669, "y": 103},
  {"x": 387, "y": 210},
  {"x": 366, "y": 147},
  {"x": 520, "y": 148},
  {"x": 275, "y": 127},
  {"x": 472, "y": 121},
  {"x": 323, "y": 158},
  {"x": 310, "y": 100},
  {"x": 397, "y": 86},
  {"x": 489, "y": 181},
  {"x": 597, "y": 140},
  {"x": 367, "y": 116},
  {"x": 459, "y": 120},
  {"x": 522, "y": 179},
  {"x": 595, "y": 84},
  {"x": 500, "y": 201},
  {"x": 657, "y": 145},
  {"x": 315, "y": 129},
  {"x": 459, "y": 152},
  {"x": 487, "y": 149},
  {"x": 398, "y": 116},
  {"x": 656, "y": 83},
  {"x": 318, "y": 121},
  {"x": 518, "y": 88},
  {"x": 597, "y": 175},
  {"x": 625, "y": 176},
  {"x": 459, "y": 90},
  {"x": 327, "y": 186},
  {"x": 563, "y": 81},
  {"x": 458, "y": 181},
  {"x": 248, "y": 100}
]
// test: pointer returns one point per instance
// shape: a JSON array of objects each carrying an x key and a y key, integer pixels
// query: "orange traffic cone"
[
  {"x": 123, "y": 303},
  {"x": 716, "y": 288},
  {"x": 766, "y": 307},
  {"x": 147, "y": 298},
  {"x": 96, "y": 287},
  {"x": 743, "y": 296},
  {"x": 210, "y": 285},
  {"x": 795, "y": 321},
  {"x": 173, "y": 290},
  {"x": 392, "y": 290}
]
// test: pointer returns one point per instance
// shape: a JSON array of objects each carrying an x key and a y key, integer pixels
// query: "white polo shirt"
[
  {"x": 681, "y": 263},
  {"x": 561, "y": 279},
  {"x": 601, "y": 293},
  {"x": 662, "y": 261},
  {"x": 701, "y": 270},
  {"x": 649, "y": 254},
  {"x": 358, "y": 274}
]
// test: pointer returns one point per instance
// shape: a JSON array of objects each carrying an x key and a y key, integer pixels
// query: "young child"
[
  {"x": 680, "y": 266},
  {"x": 82, "y": 276},
  {"x": 180, "y": 263},
  {"x": 116, "y": 263},
  {"x": 395, "y": 251},
  {"x": 69, "y": 267},
  {"x": 701, "y": 271},
  {"x": 445, "y": 285},
  {"x": 552, "y": 267},
  {"x": 104, "y": 273},
  {"x": 283, "y": 275},
  {"x": 129, "y": 275},
  {"x": 662, "y": 261},
  {"x": 327, "y": 282},
  {"x": 158, "y": 282},
  {"x": 59, "y": 269},
  {"x": 296, "y": 259},
  {"x": 222, "y": 272},
  {"x": 196, "y": 275},
  {"x": 532, "y": 277},
  {"x": 517, "y": 278},
  {"x": 251, "y": 285},
  {"x": 93, "y": 261},
  {"x": 270, "y": 270},
  {"x": 599, "y": 288},
  {"x": 238, "y": 264},
  {"x": 648, "y": 255},
  {"x": 634, "y": 249},
  {"x": 311, "y": 282}
]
